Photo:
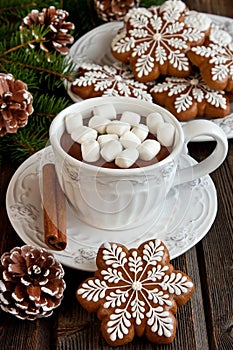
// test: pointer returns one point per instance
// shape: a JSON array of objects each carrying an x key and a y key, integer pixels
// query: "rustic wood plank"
[
  {"x": 8, "y": 241},
  {"x": 24, "y": 335},
  {"x": 15, "y": 333},
  {"x": 218, "y": 255},
  {"x": 205, "y": 322},
  {"x": 215, "y": 253},
  {"x": 197, "y": 308},
  {"x": 76, "y": 327},
  {"x": 223, "y": 8}
]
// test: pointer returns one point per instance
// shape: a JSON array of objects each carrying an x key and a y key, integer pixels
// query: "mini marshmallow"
[
  {"x": 165, "y": 134},
  {"x": 129, "y": 140},
  {"x": 117, "y": 127},
  {"x": 148, "y": 149},
  {"x": 99, "y": 124},
  {"x": 130, "y": 117},
  {"x": 72, "y": 121},
  {"x": 141, "y": 131},
  {"x": 90, "y": 151},
  {"x": 105, "y": 111},
  {"x": 110, "y": 150},
  {"x": 127, "y": 158},
  {"x": 83, "y": 134},
  {"x": 153, "y": 120},
  {"x": 102, "y": 139}
]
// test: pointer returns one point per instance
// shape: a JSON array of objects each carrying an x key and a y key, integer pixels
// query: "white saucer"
[
  {"x": 189, "y": 212},
  {"x": 94, "y": 47}
]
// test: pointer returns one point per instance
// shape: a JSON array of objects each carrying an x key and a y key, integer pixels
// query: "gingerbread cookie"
[
  {"x": 117, "y": 80},
  {"x": 135, "y": 292},
  {"x": 155, "y": 41},
  {"x": 215, "y": 59},
  {"x": 191, "y": 97},
  {"x": 201, "y": 21}
]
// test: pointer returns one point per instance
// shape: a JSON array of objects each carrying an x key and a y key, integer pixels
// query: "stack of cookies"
[{"x": 168, "y": 55}]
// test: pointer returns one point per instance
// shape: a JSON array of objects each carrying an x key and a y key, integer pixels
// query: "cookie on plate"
[
  {"x": 191, "y": 97},
  {"x": 155, "y": 41},
  {"x": 215, "y": 59},
  {"x": 135, "y": 292},
  {"x": 116, "y": 80}
]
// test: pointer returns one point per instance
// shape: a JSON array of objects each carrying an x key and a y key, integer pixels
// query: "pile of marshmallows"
[{"x": 123, "y": 140}]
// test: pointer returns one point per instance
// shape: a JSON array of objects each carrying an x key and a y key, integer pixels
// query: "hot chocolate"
[
  {"x": 111, "y": 140},
  {"x": 124, "y": 199},
  {"x": 74, "y": 150}
]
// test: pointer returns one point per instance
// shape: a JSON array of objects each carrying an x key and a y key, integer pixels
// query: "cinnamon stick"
[{"x": 54, "y": 210}]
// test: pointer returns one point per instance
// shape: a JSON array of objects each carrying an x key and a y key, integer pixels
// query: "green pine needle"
[
  {"x": 26, "y": 141},
  {"x": 49, "y": 103},
  {"x": 43, "y": 74},
  {"x": 148, "y": 3}
]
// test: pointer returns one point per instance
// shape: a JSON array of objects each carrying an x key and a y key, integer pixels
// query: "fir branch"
[
  {"x": 26, "y": 141},
  {"x": 51, "y": 104},
  {"x": 39, "y": 69},
  {"x": 20, "y": 55},
  {"x": 148, "y": 3},
  {"x": 14, "y": 6},
  {"x": 44, "y": 77},
  {"x": 28, "y": 43}
]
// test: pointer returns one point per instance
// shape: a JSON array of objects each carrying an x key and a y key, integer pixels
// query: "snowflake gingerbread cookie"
[
  {"x": 191, "y": 97},
  {"x": 116, "y": 80},
  {"x": 135, "y": 292},
  {"x": 215, "y": 59},
  {"x": 155, "y": 41}
]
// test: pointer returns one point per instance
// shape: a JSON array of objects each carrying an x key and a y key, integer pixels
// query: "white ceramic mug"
[{"x": 115, "y": 199}]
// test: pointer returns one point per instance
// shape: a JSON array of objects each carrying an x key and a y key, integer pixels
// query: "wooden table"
[{"x": 205, "y": 322}]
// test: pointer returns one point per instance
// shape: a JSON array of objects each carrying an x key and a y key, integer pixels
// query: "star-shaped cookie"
[
  {"x": 94, "y": 80},
  {"x": 215, "y": 59},
  {"x": 191, "y": 97},
  {"x": 135, "y": 292},
  {"x": 155, "y": 41}
]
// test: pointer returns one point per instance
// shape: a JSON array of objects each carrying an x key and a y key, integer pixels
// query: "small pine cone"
[
  {"x": 15, "y": 104},
  {"x": 31, "y": 282},
  {"x": 55, "y": 20},
  {"x": 114, "y": 10}
]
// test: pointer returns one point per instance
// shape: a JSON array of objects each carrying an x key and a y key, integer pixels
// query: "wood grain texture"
[
  {"x": 223, "y": 8},
  {"x": 215, "y": 255},
  {"x": 204, "y": 323},
  {"x": 77, "y": 326}
]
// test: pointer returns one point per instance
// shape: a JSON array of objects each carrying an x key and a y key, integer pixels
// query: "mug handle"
[{"x": 197, "y": 128}]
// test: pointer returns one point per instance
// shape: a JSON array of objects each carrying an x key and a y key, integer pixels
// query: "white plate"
[
  {"x": 189, "y": 212},
  {"x": 94, "y": 47}
]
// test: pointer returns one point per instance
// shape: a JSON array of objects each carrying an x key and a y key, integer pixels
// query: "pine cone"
[
  {"x": 114, "y": 10},
  {"x": 15, "y": 104},
  {"x": 31, "y": 282},
  {"x": 55, "y": 20}
]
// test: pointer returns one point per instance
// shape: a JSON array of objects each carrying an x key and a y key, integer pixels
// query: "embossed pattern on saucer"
[{"x": 189, "y": 212}]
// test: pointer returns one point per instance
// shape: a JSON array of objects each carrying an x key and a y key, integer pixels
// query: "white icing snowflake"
[
  {"x": 219, "y": 36},
  {"x": 217, "y": 59},
  {"x": 222, "y": 58},
  {"x": 135, "y": 291},
  {"x": 198, "y": 20},
  {"x": 186, "y": 91},
  {"x": 115, "y": 80},
  {"x": 155, "y": 41}
]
